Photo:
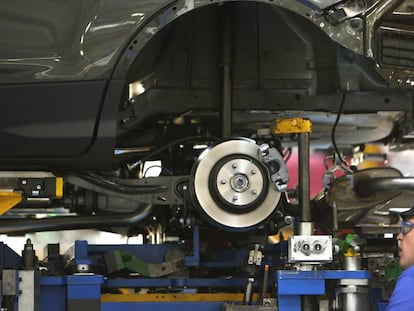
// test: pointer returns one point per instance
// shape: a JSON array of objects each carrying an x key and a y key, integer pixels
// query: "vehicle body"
[{"x": 102, "y": 86}]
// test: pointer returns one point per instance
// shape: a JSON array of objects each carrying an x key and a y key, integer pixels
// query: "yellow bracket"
[
  {"x": 8, "y": 200},
  {"x": 59, "y": 187},
  {"x": 290, "y": 126},
  {"x": 206, "y": 297},
  {"x": 351, "y": 253}
]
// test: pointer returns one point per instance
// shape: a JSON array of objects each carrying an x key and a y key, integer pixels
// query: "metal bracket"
[
  {"x": 329, "y": 176},
  {"x": 275, "y": 165},
  {"x": 118, "y": 260},
  {"x": 310, "y": 248},
  {"x": 344, "y": 11},
  {"x": 161, "y": 190}
]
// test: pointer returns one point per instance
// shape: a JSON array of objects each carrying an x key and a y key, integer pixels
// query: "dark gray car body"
[
  {"x": 92, "y": 90},
  {"x": 65, "y": 68}
]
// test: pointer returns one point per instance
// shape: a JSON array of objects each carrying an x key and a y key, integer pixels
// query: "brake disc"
[{"x": 231, "y": 186}]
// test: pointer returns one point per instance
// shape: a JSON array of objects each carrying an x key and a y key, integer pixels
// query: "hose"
[{"x": 367, "y": 187}]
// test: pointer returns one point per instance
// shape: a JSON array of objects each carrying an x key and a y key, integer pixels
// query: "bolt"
[
  {"x": 24, "y": 182},
  {"x": 223, "y": 181},
  {"x": 235, "y": 198},
  {"x": 288, "y": 220},
  {"x": 38, "y": 187},
  {"x": 234, "y": 165},
  {"x": 294, "y": 122},
  {"x": 356, "y": 23},
  {"x": 253, "y": 172},
  {"x": 239, "y": 182},
  {"x": 254, "y": 191}
]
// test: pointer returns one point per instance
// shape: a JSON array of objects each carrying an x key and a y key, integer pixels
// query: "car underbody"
[{"x": 191, "y": 78}]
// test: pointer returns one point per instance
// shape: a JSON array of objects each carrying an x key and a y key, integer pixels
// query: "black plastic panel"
[
  {"x": 49, "y": 119},
  {"x": 92, "y": 103}
]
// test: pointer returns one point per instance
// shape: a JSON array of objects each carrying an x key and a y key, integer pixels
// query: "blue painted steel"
[
  {"x": 161, "y": 306},
  {"x": 80, "y": 253},
  {"x": 174, "y": 283},
  {"x": 52, "y": 296},
  {"x": 194, "y": 260},
  {"x": 83, "y": 253},
  {"x": 52, "y": 280},
  {"x": 81, "y": 249},
  {"x": 301, "y": 287},
  {"x": 293, "y": 284},
  {"x": 55, "y": 291},
  {"x": 290, "y": 303},
  {"x": 323, "y": 274},
  {"x": 84, "y": 286}
]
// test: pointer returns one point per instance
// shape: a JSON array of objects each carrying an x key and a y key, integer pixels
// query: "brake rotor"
[{"x": 231, "y": 186}]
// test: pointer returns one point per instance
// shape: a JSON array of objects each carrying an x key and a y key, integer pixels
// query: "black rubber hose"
[
  {"x": 367, "y": 187},
  {"x": 74, "y": 222}
]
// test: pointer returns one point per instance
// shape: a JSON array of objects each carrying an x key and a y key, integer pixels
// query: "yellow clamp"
[
  {"x": 8, "y": 200},
  {"x": 290, "y": 126},
  {"x": 351, "y": 253}
]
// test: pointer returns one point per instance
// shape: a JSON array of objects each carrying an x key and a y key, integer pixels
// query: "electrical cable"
[
  {"x": 175, "y": 142},
  {"x": 338, "y": 116},
  {"x": 287, "y": 154},
  {"x": 157, "y": 166}
]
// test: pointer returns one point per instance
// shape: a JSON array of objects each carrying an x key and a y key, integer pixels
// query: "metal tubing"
[
  {"x": 334, "y": 219},
  {"x": 264, "y": 286},
  {"x": 304, "y": 178},
  {"x": 74, "y": 222},
  {"x": 367, "y": 187},
  {"x": 305, "y": 228},
  {"x": 352, "y": 263}
]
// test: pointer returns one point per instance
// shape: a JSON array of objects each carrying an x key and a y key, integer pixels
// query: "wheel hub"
[{"x": 231, "y": 186}]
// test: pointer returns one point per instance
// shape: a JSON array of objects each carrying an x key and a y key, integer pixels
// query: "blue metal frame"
[
  {"x": 291, "y": 285},
  {"x": 161, "y": 306},
  {"x": 57, "y": 292},
  {"x": 83, "y": 253}
]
